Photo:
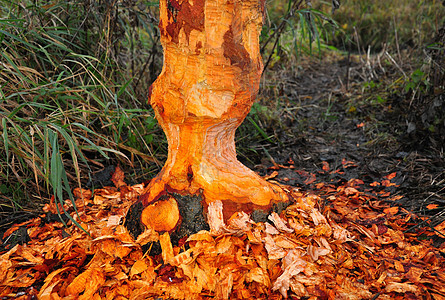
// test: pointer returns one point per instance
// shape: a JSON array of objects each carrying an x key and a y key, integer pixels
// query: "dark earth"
[{"x": 331, "y": 114}]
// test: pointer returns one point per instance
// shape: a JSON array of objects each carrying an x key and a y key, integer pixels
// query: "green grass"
[
  {"x": 398, "y": 24},
  {"x": 71, "y": 92}
]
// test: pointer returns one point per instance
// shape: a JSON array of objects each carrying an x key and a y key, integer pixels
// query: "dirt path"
[{"x": 330, "y": 113}]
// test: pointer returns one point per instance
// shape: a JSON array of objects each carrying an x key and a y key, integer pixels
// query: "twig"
[
  {"x": 395, "y": 63},
  {"x": 397, "y": 39},
  {"x": 277, "y": 33}
]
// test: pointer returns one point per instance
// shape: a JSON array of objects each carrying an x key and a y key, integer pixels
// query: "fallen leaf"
[
  {"x": 279, "y": 223},
  {"x": 138, "y": 267},
  {"x": 87, "y": 282},
  {"x": 326, "y": 166},
  {"x": 282, "y": 283},
  {"x": 118, "y": 177},
  {"x": 432, "y": 206},
  {"x": 391, "y": 210},
  {"x": 271, "y": 176},
  {"x": 399, "y": 287},
  {"x": 391, "y": 176}
]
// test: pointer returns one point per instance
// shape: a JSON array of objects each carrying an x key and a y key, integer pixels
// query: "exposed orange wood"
[
  {"x": 162, "y": 215},
  {"x": 210, "y": 78}
]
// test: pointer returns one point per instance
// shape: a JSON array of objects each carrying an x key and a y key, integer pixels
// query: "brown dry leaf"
[
  {"x": 99, "y": 199},
  {"x": 282, "y": 284},
  {"x": 414, "y": 274},
  {"x": 441, "y": 227},
  {"x": 437, "y": 296},
  {"x": 399, "y": 267},
  {"x": 258, "y": 275},
  {"x": 432, "y": 206},
  {"x": 399, "y": 287},
  {"x": 316, "y": 252},
  {"x": 118, "y": 177},
  {"x": 271, "y": 230},
  {"x": 224, "y": 286},
  {"x": 279, "y": 223},
  {"x": 149, "y": 235},
  {"x": 202, "y": 235},
  {"x": 30, "y": 255},
  {"x": 326, "y": 166},
  {"x": 113, "y": 221},
  {"x": 113, "y": 247},
  {"x": 352, "y": 290},
  {"x": 184, "y": 258},
  {"x": 54, "y": 278},
  {"x": 224, "y": 244},
  {"x": 87, "y": 282},
  {"x": 304, "y": 251},
  {"x": 391, "y": 176},
  {"x": 391, "y": 210},
  {"x": 317, "y": 217},
  {"x": 340, "y": 234},
  {"x": 351, "y": 191},
  {"x": 285, "y": 242},
  {"x": 273, "y": 251},
  {"x": 239, "y": 222},
  {"x": 5, "y": 264},
  {"x": 80, "y": 193},
  {"x": 47, "y": 293}
]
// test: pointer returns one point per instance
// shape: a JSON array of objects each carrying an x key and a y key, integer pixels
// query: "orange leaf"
[
  {"x": 351, "y": 191},
  {"x": 348, "y": 163},
  {"x": 87, "y": 282},
  {"x": 138, "y": 267},
  {"x": 432, "y": 206},
  {"x": 391, "y": 176},
  {"x": 399, "y": 267},
  {"x": 391, "y": 210},
  {"x": 310, "y": 179},
  {"x": 273, "y": 175},
  {"x": 414, "y": 274},
  {"x": 401, "y": 287},
  {"x": 326, "y": 166},
  {"x": 386, "y": 182},
  {"x": 118, "y": 177},
  {"x": 440, "y": 227}
]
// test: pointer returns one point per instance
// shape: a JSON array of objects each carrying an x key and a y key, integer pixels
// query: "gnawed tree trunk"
[{"x": 210, "y": 78}]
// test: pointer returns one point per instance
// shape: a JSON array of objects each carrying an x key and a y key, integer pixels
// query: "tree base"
[
  {"x": 191, "y": 220},
  {"x": 192, "y": 212}
]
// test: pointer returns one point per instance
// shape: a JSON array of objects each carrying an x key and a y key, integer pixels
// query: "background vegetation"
[{"x": 74, "y": 76}]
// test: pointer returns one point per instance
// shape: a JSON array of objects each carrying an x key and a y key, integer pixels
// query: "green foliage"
[
  {"x": 417, "y": 82},
  {"x": 399, "y": 23},
  {"x": 72, "y": 74},
  {"x": 294, "y": 28}
]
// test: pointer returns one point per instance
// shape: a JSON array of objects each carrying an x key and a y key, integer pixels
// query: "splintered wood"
[{"x": 353, "y": 247}]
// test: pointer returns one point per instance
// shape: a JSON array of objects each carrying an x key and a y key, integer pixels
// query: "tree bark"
[{"x": 210, "y": 78}]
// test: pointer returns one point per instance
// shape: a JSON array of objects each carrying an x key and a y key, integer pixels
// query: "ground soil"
[{"x": 329, "y": 114}]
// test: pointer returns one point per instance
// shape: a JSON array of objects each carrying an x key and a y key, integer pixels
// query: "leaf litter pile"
[{"x": 342, "y": 240}]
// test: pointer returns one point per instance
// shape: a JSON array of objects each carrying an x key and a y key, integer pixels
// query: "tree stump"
[{"x": 210, "y": 78}]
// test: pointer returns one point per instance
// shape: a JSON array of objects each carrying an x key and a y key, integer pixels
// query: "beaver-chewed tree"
[{"x": 210, "y": 78}]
